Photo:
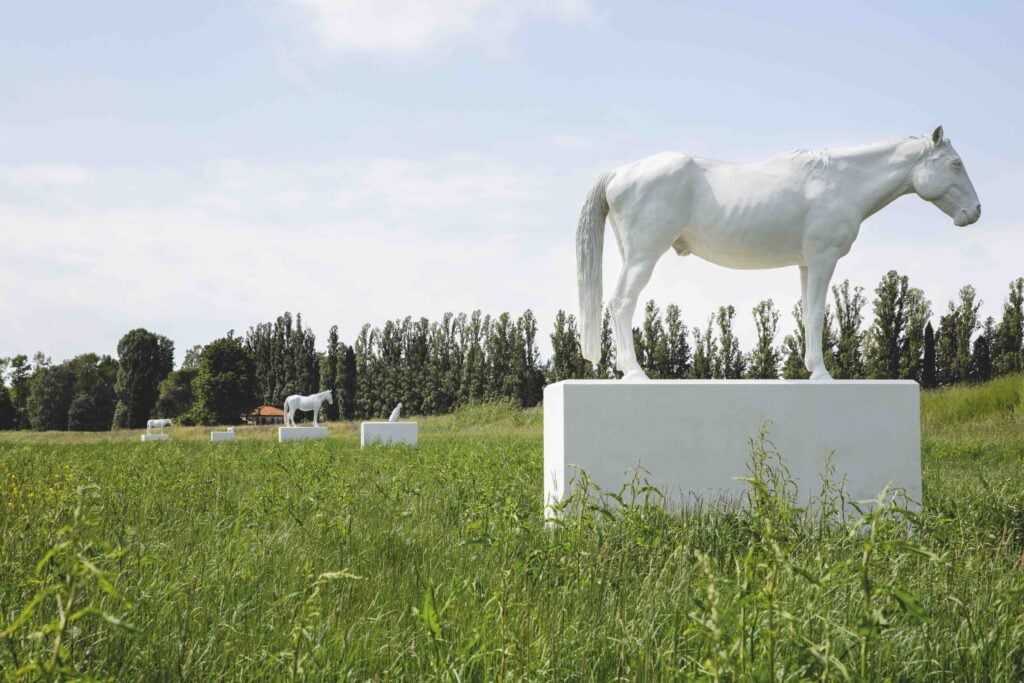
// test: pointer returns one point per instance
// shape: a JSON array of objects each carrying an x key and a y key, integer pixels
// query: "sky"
[{"x": 197, "y": 167}]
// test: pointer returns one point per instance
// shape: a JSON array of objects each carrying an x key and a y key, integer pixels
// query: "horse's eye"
[{"x": 957, "y": 163}]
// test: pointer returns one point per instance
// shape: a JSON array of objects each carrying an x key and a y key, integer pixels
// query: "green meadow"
[{"x": 255, "y": 560}]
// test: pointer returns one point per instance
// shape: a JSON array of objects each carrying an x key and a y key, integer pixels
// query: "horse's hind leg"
[{"x": 633, "y": 278}]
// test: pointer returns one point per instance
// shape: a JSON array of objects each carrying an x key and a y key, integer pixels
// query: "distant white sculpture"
[
  {"x": 396, "y": 413},
  {"x": 306, "y": 403},
  {"x": 799, "y": 209},
  {"x": 154, "y": 424},
  {"x": 227, "y": 435}
]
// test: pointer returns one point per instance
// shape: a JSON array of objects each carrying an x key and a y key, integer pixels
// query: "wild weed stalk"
[{"x": 70, "y": 590}]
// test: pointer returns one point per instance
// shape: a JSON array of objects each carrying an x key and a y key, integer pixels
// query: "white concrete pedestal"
[
  {"x": 388, "y": 432},
  {"x": 222, "y": 436},
  {"x": 300, "y": 433},
  {"x": 692, "y": 436},
  {"x": 156, "y": 437}
]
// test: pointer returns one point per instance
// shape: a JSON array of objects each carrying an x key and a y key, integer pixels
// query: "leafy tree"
[
  {"x": 501, "y": 350},
  {"x": 953, "y": 339},
  {"x": 606, "y": 366},
  {"x": 567, "y": 361},
  {"x": 177, "y": 396},
  {"x": 928, "y": 377},
  {"x": 918, "y": 311},
  {"x": 367, "y": 364},
  {"x": 531, "y": 376},
  {"x": 52, "y": 390},
  {"x": 849, "y": 360},
  {"x": 192, "y": 356},
  {"x": 329, "y": 372},
  {"x": 444, "y": 366},
  {"x": 793, "y": 348},
  {"x": 414, "y": 363},
  {"x": 92, "y": 408},
  {"x": 144, "y": 359},
  {"x": 886, "y": 335},
  {"x": 729, "y": 363},
  {"x": 967, "y": 323},
  {"x": 474, "y": 366},
  {"x": 21, "y": 374},
  {"x": 8, "y": 415},
  {"x": 285, "y": 358},
  {"x": 705, "y": 351},
  {"x": 765, "y": 358},
  {"x": 1008, "y": 342},
  {"x": 981, "y": 354},
  {"x": 945, "y": 351},
  {"x": 654, "y": 358},
  {"x": 348, "y": 384},
  {"x": 677, "y": 348},
  {"x": 225, "y": 384}
]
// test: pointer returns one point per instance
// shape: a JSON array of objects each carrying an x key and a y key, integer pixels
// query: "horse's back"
[{"x": 736, "y": 215}]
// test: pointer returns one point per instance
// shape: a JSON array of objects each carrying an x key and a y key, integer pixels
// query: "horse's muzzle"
[{"x": 965, "y": 217}]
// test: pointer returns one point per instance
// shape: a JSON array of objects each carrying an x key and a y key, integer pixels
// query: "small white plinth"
[
  {"x": 300, "y": 433},
  {"x": 692, "y": 436},
  {"x": 222, "y": 436},
  {"x": 156, "y": 437},
  {"x": 388, "y": 432}
]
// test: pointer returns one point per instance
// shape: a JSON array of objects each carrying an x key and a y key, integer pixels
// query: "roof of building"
[{"x": 267, "y": 411}]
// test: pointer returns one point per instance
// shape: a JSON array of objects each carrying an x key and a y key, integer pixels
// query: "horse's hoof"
[
  {"x": 635, "y": 376},
  {"x": 821, "y": 376}
]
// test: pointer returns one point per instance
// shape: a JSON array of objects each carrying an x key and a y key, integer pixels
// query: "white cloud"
[
  {"x": 407, "y": 26},
  {"x": 291, "y": 199},
  {"x": 27, "y": 175}
]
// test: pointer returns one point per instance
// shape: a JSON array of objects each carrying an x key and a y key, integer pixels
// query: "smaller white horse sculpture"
[
  {"x": 396, "y": 413},
  {"x": 154, "y": 424},
  {"x": 306, "y": 403}
]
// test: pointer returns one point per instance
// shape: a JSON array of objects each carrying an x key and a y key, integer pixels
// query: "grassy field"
[{"x": 317, "y": 561}]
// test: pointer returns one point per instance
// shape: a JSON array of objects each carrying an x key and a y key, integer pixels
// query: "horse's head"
[
  {"x": 330, "y": 397},
  {"x": 941, "y": 178}
]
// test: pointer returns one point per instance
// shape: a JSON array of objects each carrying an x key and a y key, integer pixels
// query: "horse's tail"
[{"x": 589, "y": 252}]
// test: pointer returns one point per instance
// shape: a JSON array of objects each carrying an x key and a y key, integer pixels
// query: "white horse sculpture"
[
  {"x": 799, "y": 209},
  {"x": 306, "y": 403},
  {"x": 154, "y": 424}
]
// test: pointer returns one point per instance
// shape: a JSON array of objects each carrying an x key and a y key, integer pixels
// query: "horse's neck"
[{"x": 875, "y": 175}]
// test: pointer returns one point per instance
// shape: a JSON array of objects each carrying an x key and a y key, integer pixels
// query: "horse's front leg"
[
  {"x": 316, "y": 412},
  {"x": 818, "y": 275}
]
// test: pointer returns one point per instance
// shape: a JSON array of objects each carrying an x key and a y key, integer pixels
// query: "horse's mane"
[{"x": 817, "y": 161}]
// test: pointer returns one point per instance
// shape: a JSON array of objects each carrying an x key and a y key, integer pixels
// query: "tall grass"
[{"x": 319, "y": 561}]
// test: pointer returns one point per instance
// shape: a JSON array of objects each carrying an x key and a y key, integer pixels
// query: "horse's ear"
[{"x": 937, "y": 136}]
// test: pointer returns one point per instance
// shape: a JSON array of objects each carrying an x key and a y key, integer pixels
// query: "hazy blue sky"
[{"x": 194, "y": 167}]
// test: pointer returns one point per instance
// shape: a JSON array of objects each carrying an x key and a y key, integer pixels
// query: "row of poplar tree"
[{"x": 434, "y": 366}]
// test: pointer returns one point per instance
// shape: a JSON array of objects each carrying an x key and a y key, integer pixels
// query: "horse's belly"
[{"x": 744, "y": 249}]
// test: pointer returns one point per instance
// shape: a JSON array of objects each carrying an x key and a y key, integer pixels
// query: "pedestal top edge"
[{"x": 739, "y": 382}]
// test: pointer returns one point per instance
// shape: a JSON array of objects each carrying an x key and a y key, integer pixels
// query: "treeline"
[
  {"x": 899, "y": 343},
  {"x": 435, "y": 366}
]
